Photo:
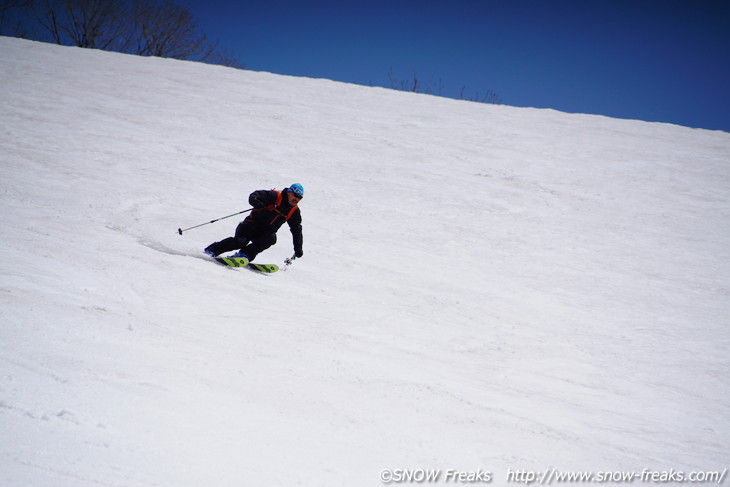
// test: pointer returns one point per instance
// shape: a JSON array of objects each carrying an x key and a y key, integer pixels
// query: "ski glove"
[
  {"x": 256, "y": 202},
  {"x": 298, "y": 253}
]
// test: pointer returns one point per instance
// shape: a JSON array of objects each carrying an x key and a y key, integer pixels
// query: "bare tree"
[
  {"x": 415, "y": 86},
  {"x": 11, "y": 4},
  {"x": 145, "y": 27},
  {"x": 405, "y": 85},
  {"x": 98, "y": 24},
  {"x": 47, "y": 13},
  {"x": 223, "y": 58},
  {"x": 165, "y": 29},
  {"x": 438, "y": 87},
  {"x": 12, "y": 13},
  {"x": 489, "y": 96},
  {"x": 393, "y": 80}
]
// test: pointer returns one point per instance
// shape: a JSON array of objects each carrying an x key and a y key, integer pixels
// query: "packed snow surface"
[{"x": 483, "y": 288}]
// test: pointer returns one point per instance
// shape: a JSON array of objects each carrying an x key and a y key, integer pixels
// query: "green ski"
[
  {"x": 265, "y": 268},
  {"x": 233, "y": 261},
  {"x": 243, "y": 262}
]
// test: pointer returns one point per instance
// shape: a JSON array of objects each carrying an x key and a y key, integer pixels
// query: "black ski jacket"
[{"x": 270, "y": 216}]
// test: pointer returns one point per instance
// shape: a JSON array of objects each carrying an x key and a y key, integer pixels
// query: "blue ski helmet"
[{"x": 297, "y": 189}]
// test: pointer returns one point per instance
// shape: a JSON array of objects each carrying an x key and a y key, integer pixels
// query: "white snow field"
[{"x": 497, "y": 291}]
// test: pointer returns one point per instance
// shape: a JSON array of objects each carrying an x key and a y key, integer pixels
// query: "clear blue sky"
[{"x": 653, "y": 60}]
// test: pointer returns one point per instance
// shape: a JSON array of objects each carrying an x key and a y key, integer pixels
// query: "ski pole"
[
  {"x": 289, "y": 261},
  {"x": 180, "y": 230}
]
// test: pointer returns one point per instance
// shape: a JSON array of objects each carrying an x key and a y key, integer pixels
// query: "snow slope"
[{"x": 483, "y": 287}]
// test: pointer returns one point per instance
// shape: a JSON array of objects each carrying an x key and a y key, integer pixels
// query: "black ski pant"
[{"x": 249, "y": 238}]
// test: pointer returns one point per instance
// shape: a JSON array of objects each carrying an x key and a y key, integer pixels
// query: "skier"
[{"x": 258, "y": 231}]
